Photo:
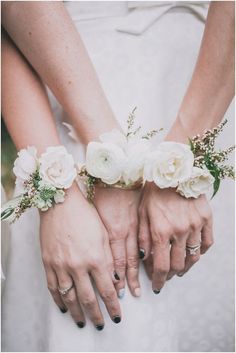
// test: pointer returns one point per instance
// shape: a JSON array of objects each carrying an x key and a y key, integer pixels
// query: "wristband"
[
  {"x": 41, "y": 181},
  {"x": 191, "y": 169}
]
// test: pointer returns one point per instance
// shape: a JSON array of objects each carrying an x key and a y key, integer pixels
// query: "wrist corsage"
[
  {"x": 192, "y": 169},
  {"x": 41, "y": 181},
  {"x": 116, "y": 161}
]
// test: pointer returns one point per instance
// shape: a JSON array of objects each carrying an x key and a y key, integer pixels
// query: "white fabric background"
[{"x": 150, "y": 71}]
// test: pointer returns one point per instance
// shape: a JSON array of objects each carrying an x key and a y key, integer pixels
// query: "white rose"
[
  {"x": 169, "y": 165},
  {"x": 57, "y": 167},
  {"x": 136, "y": 156},
  {"x": 199, "y": 183},
  {"x": 25, "y": 165},
  {"x": 105, "y": 161}
]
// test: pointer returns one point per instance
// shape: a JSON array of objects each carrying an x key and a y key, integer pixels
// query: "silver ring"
[
  {"x": 193, "y": 248},
  {"x": 64, "y": 291}
]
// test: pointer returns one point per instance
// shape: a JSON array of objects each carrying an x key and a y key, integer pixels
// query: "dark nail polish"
[
  {"x": 117, "y": 319},
  {"x": 80, "y": 324},
  {"x": 116, "y": 276},
  {"x": 141, "y": 253},
  {"x": 63, "y": 310},
  {"x": 180, "y": 274},
  {"x": 156, "y": 291},
  {"x": 99, "y": 327}
]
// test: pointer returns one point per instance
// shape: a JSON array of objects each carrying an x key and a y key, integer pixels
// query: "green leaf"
[
  {"x": 6, "y": 213},
  {"x": 191, "y": 144},
  {"x": 216, "y": 186}
]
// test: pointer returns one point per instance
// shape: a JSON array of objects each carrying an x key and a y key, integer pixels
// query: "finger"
[
  {"x": 207, "y": 236},
  {"x": 70, "y": 298},
  {"x": 191, "y": 256},
  {"x": 177, "y": 257},
  {"x": 88, "y": 299},
  {"x": 133, "y": 265},
  {"x": 148, "y": 264},
  {"x": 118, "y": 250},
  {"x": 161, "y": 265},
  {"x": 108, "y": 293},
  {"x": 110, "y": 264},
  {"x": 53, "y": 288},
  {"x": 144, "y": 236}
]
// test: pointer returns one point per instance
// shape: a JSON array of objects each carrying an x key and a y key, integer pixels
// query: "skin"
[
  {"x": 165, "y": 216},
  {"x": 76, "y": 249},
  {"x": 40, "y": 30}
]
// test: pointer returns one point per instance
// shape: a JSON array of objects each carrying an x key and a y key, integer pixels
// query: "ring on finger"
[
  {"x": 64, "y": 291},
  {"x": 192, "y": 249}
]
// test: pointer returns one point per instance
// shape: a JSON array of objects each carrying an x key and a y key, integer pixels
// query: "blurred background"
[{"x": 8, "y": 155}]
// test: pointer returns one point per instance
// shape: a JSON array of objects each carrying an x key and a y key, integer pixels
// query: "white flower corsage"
[
  {"x": 40, "y": 181},
  {"x": 117, "y": 160},
  {"x": 192, "y": 169}
]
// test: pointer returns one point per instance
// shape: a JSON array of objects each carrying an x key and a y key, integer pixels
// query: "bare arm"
[
  {"x": 211, "y": 88},
  {"x": 72, "y": 247},
  {"x": 46, "y": 35},
  {"x": 174, "y": 219}
]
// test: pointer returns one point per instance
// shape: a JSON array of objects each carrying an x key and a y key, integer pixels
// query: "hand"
[
  {"x": 169, "y": 222},
  {"x": 75, "y": 246},
  {"x": 118, "y": 210}
]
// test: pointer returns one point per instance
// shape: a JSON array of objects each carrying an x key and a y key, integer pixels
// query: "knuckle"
[
  {"x": 69, "y": 298},
  {"x": 108, "y": 295},
  {"x": 57, "y": 263},
  {"x": 196, "y": 224},
  {"x": 88, "y": 303},
  {"x": 96, "y": 262},
  {"x": 132, "y": 262},
  {"x": 182, "y": 228},
  {"x": 207, "y": 215},
  {"x": 120, "y": 262},
  {"x": 118, "y": 231},
  {"x": 52, "y": 289}
]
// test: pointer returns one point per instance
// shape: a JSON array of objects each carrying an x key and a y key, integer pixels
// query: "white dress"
[{"x": 143, "y": 59}]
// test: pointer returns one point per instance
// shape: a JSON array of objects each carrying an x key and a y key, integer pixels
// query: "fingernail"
[
  {"x": 156, "y": 291},
  {"x": 117, "y": 319},
  {"x": 81, "y": 324},
  {"x": 180, "y": 274},
  {"x": 116, "y": 276},
  {"x": 121, "y": 293},
  {"x": 141, "y": 253},
  {"x": 137, "y": 292},
  {"x": 63, "y": 310},
  {"x": 99, "y": 327}
]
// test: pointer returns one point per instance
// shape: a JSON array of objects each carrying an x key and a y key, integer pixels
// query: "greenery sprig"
[{"x": 205, "y": 155}]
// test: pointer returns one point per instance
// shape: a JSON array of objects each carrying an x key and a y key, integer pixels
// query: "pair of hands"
[{"x": 78, "y": 246}]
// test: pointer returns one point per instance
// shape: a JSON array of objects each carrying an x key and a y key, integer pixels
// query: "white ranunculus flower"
[
  {"x": 136, "y": 156},
  {"x": 199, "y": 183},
  {"x": 170, "y": 164},
  {"x": 25, "y": 165},
  {"x": 57, "y": 167},
  {"x": 105, "y": 161}
]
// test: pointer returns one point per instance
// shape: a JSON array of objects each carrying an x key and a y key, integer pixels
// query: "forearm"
[
  {"x": 46, "y": 35},
  {"x": 25, "y": 106},
  {"x": 211, "y": 88}
]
